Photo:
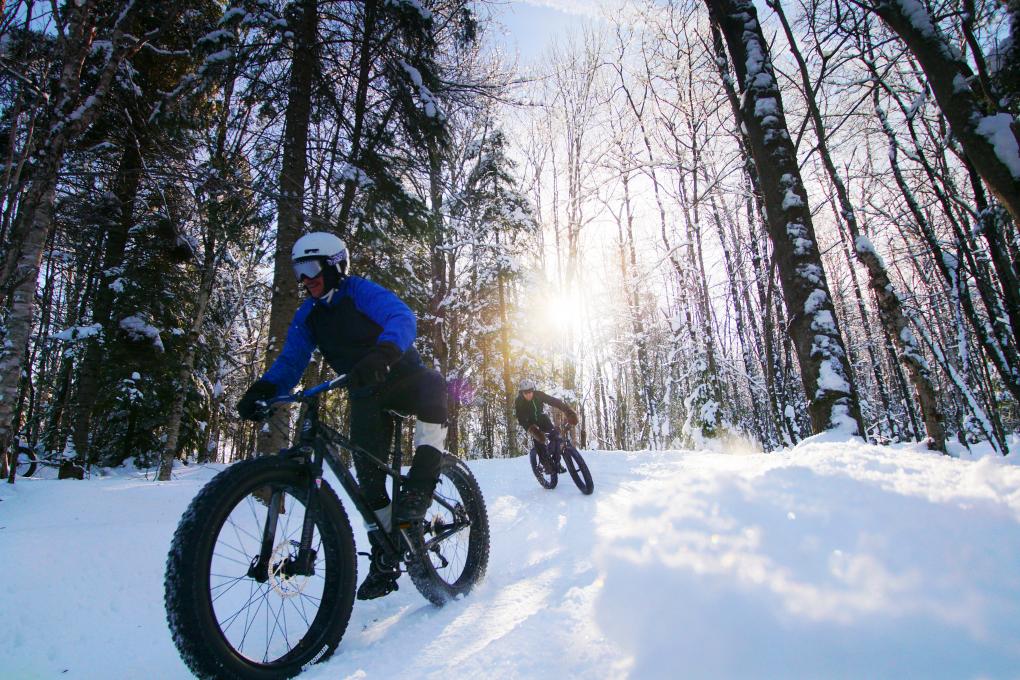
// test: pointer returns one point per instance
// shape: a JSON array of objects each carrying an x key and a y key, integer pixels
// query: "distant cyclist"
[
  {"x": 365, "y": 332},
  {"x": 531, "y": 415}
]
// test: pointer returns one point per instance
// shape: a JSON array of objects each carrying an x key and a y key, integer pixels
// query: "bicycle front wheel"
[
  {"x": 232, "y": 618},
  {"x": 25, "y": 462},
  {"x": 451, "y": 544},
  {"x": 578, "y": 470},
  {"x": 545, "y": 474}
]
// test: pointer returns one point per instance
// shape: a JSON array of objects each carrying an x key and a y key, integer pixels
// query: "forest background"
[{"x": 703, "y": 223}]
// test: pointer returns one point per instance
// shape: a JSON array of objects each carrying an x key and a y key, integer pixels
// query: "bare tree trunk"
[
  {"x": 453, "y": 436},
  {"x": 508, "y": 387},
  {"x": 290, "y": 204},
  {"x": 745, "y": 348},
  {"x": 72, "y": 116},
  {"x": 360, "y": 108},
  {"x": 832, "y": 400},
  {"x": 1002, "y": 355},
  {"x": 435, "y": 326},
  {"x": 628, "y": 255},
  {"x": 890, "y": 306},
  {"x": 183, "y": 379},
  {"x": 988, "y": 139},
  {"x": 126, "y": 184}
]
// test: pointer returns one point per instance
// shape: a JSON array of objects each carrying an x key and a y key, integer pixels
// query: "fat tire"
[
  {"x": 546, "y": 479},
  {"x": 429, "y": 582},
  {"x": 25, "y": 462},
  {"x": 189, "y": 607},
  {"x": 578, "y": 470}
]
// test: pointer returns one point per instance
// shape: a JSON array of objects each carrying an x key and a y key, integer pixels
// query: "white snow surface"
[
  {"x": 997, "y": 129},
  {"x": 835, "y": 559},
  {"x": 137, "y": 328},
  {"x": 78, "y": 332}
]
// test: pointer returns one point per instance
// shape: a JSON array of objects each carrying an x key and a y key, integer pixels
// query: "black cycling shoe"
[
  {"x": 548, "y": 467},
  {"x": 380, "y": 581},
  {"x": 414, "y": 502},
  {"x": 377, "y": 584}
]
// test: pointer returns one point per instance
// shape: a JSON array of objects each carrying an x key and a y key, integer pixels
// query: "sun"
[{"x": 564, "y": 314}]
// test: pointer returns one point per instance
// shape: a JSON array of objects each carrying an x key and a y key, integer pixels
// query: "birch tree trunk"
[
  {"x": 74, "y": 112},
  {"x": 825, "y": 373},
  {"x": 891, "y": 309},
  {"x": 183, "y": 377}
]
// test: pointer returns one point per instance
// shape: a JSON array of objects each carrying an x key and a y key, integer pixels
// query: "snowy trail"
[{"x": 832, "y": 560}]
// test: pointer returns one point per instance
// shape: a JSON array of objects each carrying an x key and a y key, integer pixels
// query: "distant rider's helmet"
[
  {"x": 320, "y": 252},
  {"x": 527, "y": 385}
]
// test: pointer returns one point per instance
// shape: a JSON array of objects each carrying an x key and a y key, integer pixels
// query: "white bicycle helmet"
[
  {"x": 527, "y": 385},
  {"x": 316, "y": 250}
]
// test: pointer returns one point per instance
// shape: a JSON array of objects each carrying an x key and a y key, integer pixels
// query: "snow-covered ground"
[{"x": 830, "y": 560}]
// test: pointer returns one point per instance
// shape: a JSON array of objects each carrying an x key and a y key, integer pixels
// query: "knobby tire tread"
[
  {"x": 428, "y": 582},
  {"x": 187, "y": 597},
  {"x": 549, "y": 479},
  {"x": 26, "y": 469},
  {"x": 578, "y": 469}
]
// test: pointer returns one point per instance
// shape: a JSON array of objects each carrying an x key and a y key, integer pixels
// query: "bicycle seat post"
[{"x": 398, "y": 431}]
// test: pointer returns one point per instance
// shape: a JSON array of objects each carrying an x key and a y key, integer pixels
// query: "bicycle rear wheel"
[
  {"x": 452, "y": 542},
  {"x": 578, "y": 470},
  {"x": 231, "y": 620},
  {"x": 545, "y": 474},
  {"x": 26, "y": 462}
]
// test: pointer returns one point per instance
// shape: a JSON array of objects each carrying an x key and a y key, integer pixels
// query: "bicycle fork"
[{"x": 302, "y": 564}]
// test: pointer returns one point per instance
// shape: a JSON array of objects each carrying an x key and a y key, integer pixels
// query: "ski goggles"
[{"x": 307, "y": 268}]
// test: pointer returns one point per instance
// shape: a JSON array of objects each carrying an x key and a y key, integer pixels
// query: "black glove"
[
  {"x": 374, "y": 366},
  {"x": 259, "y": 391}
]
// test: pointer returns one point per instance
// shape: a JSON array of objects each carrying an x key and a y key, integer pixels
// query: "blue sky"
[{"x": 533, "y": 24}]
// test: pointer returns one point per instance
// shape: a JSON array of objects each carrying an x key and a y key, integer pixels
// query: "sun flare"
[{"x": 564, "y": 314}]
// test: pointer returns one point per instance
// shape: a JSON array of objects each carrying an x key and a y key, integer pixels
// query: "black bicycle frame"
[{"x": 318, "y": 442}]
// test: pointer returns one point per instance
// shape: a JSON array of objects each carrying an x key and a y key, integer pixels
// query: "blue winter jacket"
[{"x": 345, "y": 325}]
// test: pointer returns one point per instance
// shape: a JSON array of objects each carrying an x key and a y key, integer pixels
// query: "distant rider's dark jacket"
[
  {"x": 533, "y": 412},
  {"x": 345, "y": 324}
]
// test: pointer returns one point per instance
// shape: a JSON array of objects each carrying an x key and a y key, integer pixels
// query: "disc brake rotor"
[{"x": 284, "y": 584}]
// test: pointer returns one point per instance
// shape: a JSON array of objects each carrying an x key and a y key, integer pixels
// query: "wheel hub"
[{"x": 284, "y": 575}]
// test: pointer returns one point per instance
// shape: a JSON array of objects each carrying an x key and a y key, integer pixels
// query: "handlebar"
[{"x": 305, "y": 395}]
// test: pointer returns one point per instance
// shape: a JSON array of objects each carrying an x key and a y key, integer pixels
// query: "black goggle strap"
[{"x": 307, "y": 268}]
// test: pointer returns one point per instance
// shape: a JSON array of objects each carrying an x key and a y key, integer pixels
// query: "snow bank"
[{"x": 833, "y": 559}]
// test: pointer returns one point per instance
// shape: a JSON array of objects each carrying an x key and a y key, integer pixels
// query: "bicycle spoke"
[
  {"x": 244, "y": 563},
  {"x": 226, "y": 540},
  {"x": 301, "y": 611},
  {"x": 235, "y": 525},
  {"x": 270, "y": 632},
  {"x": 254, "y": 592},
  {"x": 250, "y": 621},
  {"x": 229, "y": 586},
  {"x": 262, "y": 625}
]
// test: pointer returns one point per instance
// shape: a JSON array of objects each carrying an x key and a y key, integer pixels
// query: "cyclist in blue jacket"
[{"x": 366, "y": 332}]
